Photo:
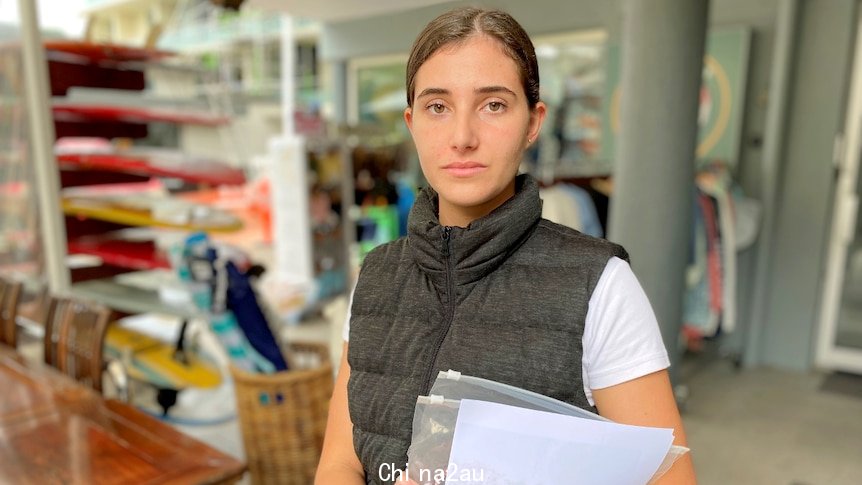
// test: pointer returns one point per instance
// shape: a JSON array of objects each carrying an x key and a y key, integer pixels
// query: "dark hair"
[{"x": 458, "y": 25}]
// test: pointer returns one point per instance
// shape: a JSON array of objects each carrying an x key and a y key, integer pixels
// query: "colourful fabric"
[
  {"x": 718, "y": 188},
  {"x": 242, "y": 302},
  {"x": 229, "y": 301},
  {"x": 713, "y": 256},
  {"x": 702, "y": 305},
  {"x": 590, "y": 224},
  {"x": 696, "y": 305},
  {"x": 558, "y": 206}
]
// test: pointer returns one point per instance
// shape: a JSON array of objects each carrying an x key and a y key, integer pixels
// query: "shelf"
[
  {"x": 95, "y": 52},
  {"x": 84, "y": 113},
  {"x": 135, "y": 210},
  {"x": 100, "y": 90},
  {"x": 130, "y": 299},
  {"x": 156, "y": 164},
  {"x": 134, "y": 255}
]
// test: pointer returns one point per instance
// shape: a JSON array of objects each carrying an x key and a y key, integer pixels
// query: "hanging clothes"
[
  {"x": 719, "y": 231},
  {"x": 702, "y": 305},
  {"x": 713, "y": 261},
  {"x": 696, "y": 316},
  {"x": 571, "y": 206},
  {"x": 559, "y": 207},
  {"x": 590, "y": 223},
  {"x": 717, "y": 185}
]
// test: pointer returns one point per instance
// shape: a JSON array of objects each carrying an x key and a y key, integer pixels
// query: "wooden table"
[{"x": 55, "y": 431}]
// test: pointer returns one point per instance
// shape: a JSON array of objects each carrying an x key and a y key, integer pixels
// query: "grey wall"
[
  {"x": 395, "y": 33},
  {"x": 818, "y": 95},
  {"x": 374, "y": 36},
  {"x": 759, "y": 16}
]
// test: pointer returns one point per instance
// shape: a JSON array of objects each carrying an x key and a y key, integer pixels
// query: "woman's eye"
[
  {"x": 438, "y": 108},
  {"x": 495, "y": 106}
]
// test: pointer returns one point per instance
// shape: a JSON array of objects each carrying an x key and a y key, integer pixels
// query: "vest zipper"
[{"x": 450, "y": 306}]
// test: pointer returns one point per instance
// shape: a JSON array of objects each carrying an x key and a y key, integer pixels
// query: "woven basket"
[{"x": 283, "y": 416}]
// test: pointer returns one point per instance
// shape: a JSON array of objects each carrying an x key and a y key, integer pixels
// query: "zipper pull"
[{"x": 447, "y": 234}]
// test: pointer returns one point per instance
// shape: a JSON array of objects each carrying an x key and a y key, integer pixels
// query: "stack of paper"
[{"x": 472, "y": 430}]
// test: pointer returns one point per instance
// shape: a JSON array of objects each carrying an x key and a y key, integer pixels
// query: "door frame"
[{"x": 842, "y": 233}]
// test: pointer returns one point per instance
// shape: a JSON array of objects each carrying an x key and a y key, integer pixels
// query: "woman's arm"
[
  {"x": 648, "y": 401},
  {"x": 338, "y": 461}
]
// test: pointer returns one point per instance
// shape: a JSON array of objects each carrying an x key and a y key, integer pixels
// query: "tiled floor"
[{"x": 765, "y": 426}]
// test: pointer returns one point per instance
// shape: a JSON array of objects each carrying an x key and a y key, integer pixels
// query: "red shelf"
[
  {"x": 136, "y": 255},
  {"x": 84, "y": 113},
  {"x": 102, "y": 52},
  {"x": 189, "y": 169}
]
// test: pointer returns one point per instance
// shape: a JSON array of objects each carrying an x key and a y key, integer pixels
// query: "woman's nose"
[{"x": 464, "y": 132}]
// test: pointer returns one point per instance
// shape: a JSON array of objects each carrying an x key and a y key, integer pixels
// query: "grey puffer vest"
[{"x": 504, "y": 298}]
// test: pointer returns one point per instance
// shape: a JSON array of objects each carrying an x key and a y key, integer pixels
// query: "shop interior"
[{"x": 188, "y": 189}]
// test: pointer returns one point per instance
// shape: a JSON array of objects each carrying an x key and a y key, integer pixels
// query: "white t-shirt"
[{"x": 621, "y": 338}]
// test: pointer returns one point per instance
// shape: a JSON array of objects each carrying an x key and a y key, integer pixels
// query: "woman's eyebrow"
[
  {"x": 433, "y": 91},
  {"x": 482, "y": 90},
  {"x": 496, "y": 90}
]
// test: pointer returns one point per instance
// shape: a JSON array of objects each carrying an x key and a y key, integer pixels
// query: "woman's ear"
[
  {"x": 408, "y": 118},
  {"x": 537, "y": 117}
]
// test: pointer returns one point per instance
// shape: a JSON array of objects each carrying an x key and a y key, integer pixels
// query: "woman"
[{"x": 482, "y": 284}]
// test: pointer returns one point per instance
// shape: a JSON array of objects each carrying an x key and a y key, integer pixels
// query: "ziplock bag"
[
  {"x": 433, "y": 430},
  {"x": 436, "y": 415}
]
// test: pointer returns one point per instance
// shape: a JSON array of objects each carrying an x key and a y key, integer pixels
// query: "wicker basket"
[{"x": 283, "y": 416}]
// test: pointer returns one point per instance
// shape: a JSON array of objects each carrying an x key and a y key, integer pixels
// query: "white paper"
[{"x": 506, "y": 445}]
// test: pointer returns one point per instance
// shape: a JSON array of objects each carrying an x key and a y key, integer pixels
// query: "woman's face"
[{"x": 471, "y": 122}]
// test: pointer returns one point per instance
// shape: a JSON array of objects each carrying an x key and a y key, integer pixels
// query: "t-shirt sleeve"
[{"x": 622, "y": 340}]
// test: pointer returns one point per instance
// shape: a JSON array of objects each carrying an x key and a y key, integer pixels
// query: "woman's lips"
[{"x": 464, "y": 169}]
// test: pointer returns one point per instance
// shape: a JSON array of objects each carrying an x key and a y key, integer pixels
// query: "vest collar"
[{"x": 479, "y": 248}]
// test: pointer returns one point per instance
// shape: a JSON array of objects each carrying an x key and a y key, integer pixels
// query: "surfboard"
[
  {"x": 70, "y": 112},
  {"x": 157, "y": 164},
  {"x": 144, "y": 210},
  {"x": 152, "y": 361},
  {"x": 136, "y": 255},
  {"x": 95, "y": 51}
]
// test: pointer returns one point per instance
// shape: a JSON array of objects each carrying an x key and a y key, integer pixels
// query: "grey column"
[{"x": 662, "y": 57}]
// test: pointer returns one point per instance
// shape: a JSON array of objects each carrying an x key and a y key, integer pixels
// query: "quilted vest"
[{"x": 504, "y": 299}]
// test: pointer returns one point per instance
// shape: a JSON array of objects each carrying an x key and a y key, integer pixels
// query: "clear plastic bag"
[
  {"x": 454, "y": 385},
  {"x": 435, "y": 417},
  {"x": 433, "y": 429}
]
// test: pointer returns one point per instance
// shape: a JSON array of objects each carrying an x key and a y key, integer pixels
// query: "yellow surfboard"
[
  {"x": 152, "y": 361},
  {"x": 149, "y": 211}
]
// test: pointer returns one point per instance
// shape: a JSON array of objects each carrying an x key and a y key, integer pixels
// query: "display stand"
[{"x": 96, "y": 191}]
